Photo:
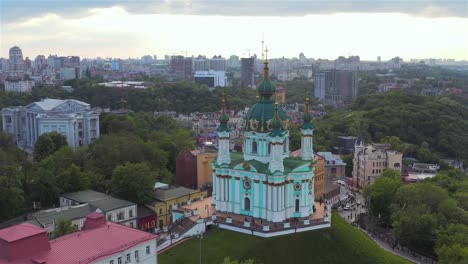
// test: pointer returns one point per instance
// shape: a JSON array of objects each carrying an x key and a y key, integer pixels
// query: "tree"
[
  {"x": 64, "y": 227},
  {"x": 419, "y": 210},
  {"x": 133, "y": 182},
  {"x": 348, "y": 159},
  {"x": 47, "y": 144},
  {"x": 11, "y": 192},
  {"x": 381, "y": 194},
  {"x": 452, "y": 244}
]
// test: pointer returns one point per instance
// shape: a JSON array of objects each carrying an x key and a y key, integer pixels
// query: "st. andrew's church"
[{"x": 264, "y": 182}]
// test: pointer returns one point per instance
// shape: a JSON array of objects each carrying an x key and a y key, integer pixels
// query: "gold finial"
[
  {"x": 266, "y": 53},
  {"x": 257, "y": 97},
  {"x": 307, "y": 104}
]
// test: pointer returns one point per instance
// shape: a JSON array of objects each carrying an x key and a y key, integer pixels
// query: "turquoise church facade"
[{"x": 263, "y": 181}]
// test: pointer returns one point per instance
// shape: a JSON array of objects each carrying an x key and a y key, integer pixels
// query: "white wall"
[{"x": 144, "y": 258}]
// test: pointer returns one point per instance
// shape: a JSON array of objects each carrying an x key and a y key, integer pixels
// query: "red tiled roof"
[
  {"x": 90, "y": 245},
  {"x": 80, "y": 247},
  {"x": 19, "y": 232}
]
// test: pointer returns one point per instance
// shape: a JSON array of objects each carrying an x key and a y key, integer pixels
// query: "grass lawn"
[{"x": 339, "y": 244}]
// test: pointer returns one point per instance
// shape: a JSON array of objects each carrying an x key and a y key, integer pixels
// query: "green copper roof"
[
  {"x": 289, "y": 163},
  {"x": 223, "y": 119},
  {"x": 259, "y": 116},
  {"x": 266, "y": 88}
]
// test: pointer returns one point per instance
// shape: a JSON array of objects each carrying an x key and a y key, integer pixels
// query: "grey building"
[
  {"x": 114, "y": 209},
  {"x": 72, "y": 118},
  {"x": 247, "y": 72},
  {"x": 15, "y": 60},
  {"x": 337, "y": 87}
]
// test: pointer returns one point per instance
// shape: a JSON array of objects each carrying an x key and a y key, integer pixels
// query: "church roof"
[
  {"x": 290, "y": 164},
  {"x": 261, "y": 113}
]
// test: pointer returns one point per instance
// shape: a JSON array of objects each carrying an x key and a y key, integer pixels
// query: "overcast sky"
[{"x": 319, "y": 29}]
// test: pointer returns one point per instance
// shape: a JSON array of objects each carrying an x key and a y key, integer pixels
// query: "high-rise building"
[
  {"x": 247, "y": 72},
  {"x": 337, "y": 87},
  {"x": 16, "y": 59},
  {"x": 218, "y": 63},
  {"x": 379, "y": 59},
  {"x": 181, "y": 66},
  {"x": 201, "y": 63},
  {"x": 233, "y": 61},
  {"x": 40, "y": 63}
]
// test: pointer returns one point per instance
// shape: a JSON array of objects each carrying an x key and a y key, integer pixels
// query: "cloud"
[{"x": 17, "y": 10}]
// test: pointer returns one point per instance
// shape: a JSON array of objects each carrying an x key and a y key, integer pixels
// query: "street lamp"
[{"x": 199, "y": 236}]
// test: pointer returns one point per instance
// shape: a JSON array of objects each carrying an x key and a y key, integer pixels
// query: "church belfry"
[
  {"x": 307, "y": 131},
  {"x": 223, "y": 136}
]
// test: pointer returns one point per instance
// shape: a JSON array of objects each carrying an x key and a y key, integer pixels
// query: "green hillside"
[{"x": 339, "y": 244}]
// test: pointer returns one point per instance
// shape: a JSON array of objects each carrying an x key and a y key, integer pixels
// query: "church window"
[
  {"x": 269, "y": 148},
  {"x": 297, "y": 205},
  {"x": 254, "y": 147},
  {"x": 247, "y": 204},
  {"x": 285, "y": 146}
]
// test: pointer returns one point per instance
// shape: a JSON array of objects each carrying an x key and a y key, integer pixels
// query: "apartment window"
[
  {"x": 128, "y": 257},
  {"x": 368, "y": 178},
  {"x": 160, "y": 210},
  {"x": 147, "y": 250},
  {"x": 109, "y": 217},
  {"x": 119, "y": 260},
  {"x": 130, "y": 213},
  {"x": 111, "y": 262},
  {"x": 8, "y": 119},
  {"x": 373, "y": 164},
  {"x": 136, "y": 254}
]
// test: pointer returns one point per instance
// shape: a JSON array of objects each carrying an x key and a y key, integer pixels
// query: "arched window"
[
  {"x": 269, "y": 148},
  {"x": 247, "y": 204},
  {"x": 396, "y": 165},
  {"x": 254, "y": 147},
  {"x": 285, "y": 146},
  {"x": 297, "y": 205}
]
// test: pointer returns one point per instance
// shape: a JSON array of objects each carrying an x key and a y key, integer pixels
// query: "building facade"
[
  {"x": 371, "y": 160},
  {"x": 19, "y": 86},
  {"x": 71, "y": 118},
  {"x": 337, "y": 87},
  {"x": 210, "y": 78},
  {"x": 264, "y": 182},
  {"x": 181, "y": 67},
  {"x": 335, "y": 168},
  {"x": 319, "y": 178}
]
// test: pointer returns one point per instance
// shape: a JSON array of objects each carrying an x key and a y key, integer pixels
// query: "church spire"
[
  {"x": 307, "y": 117},
  {"x": 223, "y": 118}
]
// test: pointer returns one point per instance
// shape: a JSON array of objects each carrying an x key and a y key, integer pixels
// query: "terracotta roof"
[
  {"x": 85, "y": 246},
  {"x": 20, "y": 231}
]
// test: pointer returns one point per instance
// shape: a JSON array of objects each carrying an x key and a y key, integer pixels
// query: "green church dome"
[{"x": 260, "y": 116}]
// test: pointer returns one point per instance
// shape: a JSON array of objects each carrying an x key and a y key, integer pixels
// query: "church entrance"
[{"x": 247, "y": 204}]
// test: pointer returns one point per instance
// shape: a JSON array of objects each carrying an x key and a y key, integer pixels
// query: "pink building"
[{"x": 99, "y": 242}]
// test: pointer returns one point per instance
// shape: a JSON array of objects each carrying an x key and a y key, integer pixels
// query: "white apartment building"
[
  {"x": 211, "y": 78},
  {"x": 72, "y": 118},
  {"x": 19, "y": 86}
]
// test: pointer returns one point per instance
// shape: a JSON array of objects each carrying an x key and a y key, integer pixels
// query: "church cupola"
[
  {"x": 307, "y": 130},
  {"x": 223, "y": 136}
]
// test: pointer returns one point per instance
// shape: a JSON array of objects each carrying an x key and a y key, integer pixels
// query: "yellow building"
[
  {"x": 167, "y": 197},
  {"x": 319, "y": 177}
]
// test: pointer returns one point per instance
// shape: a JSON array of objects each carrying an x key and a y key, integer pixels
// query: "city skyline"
[{"x": 420, "y": 29}]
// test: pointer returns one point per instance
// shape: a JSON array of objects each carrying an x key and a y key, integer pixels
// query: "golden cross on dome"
[{"x": 266, "y": 53}]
